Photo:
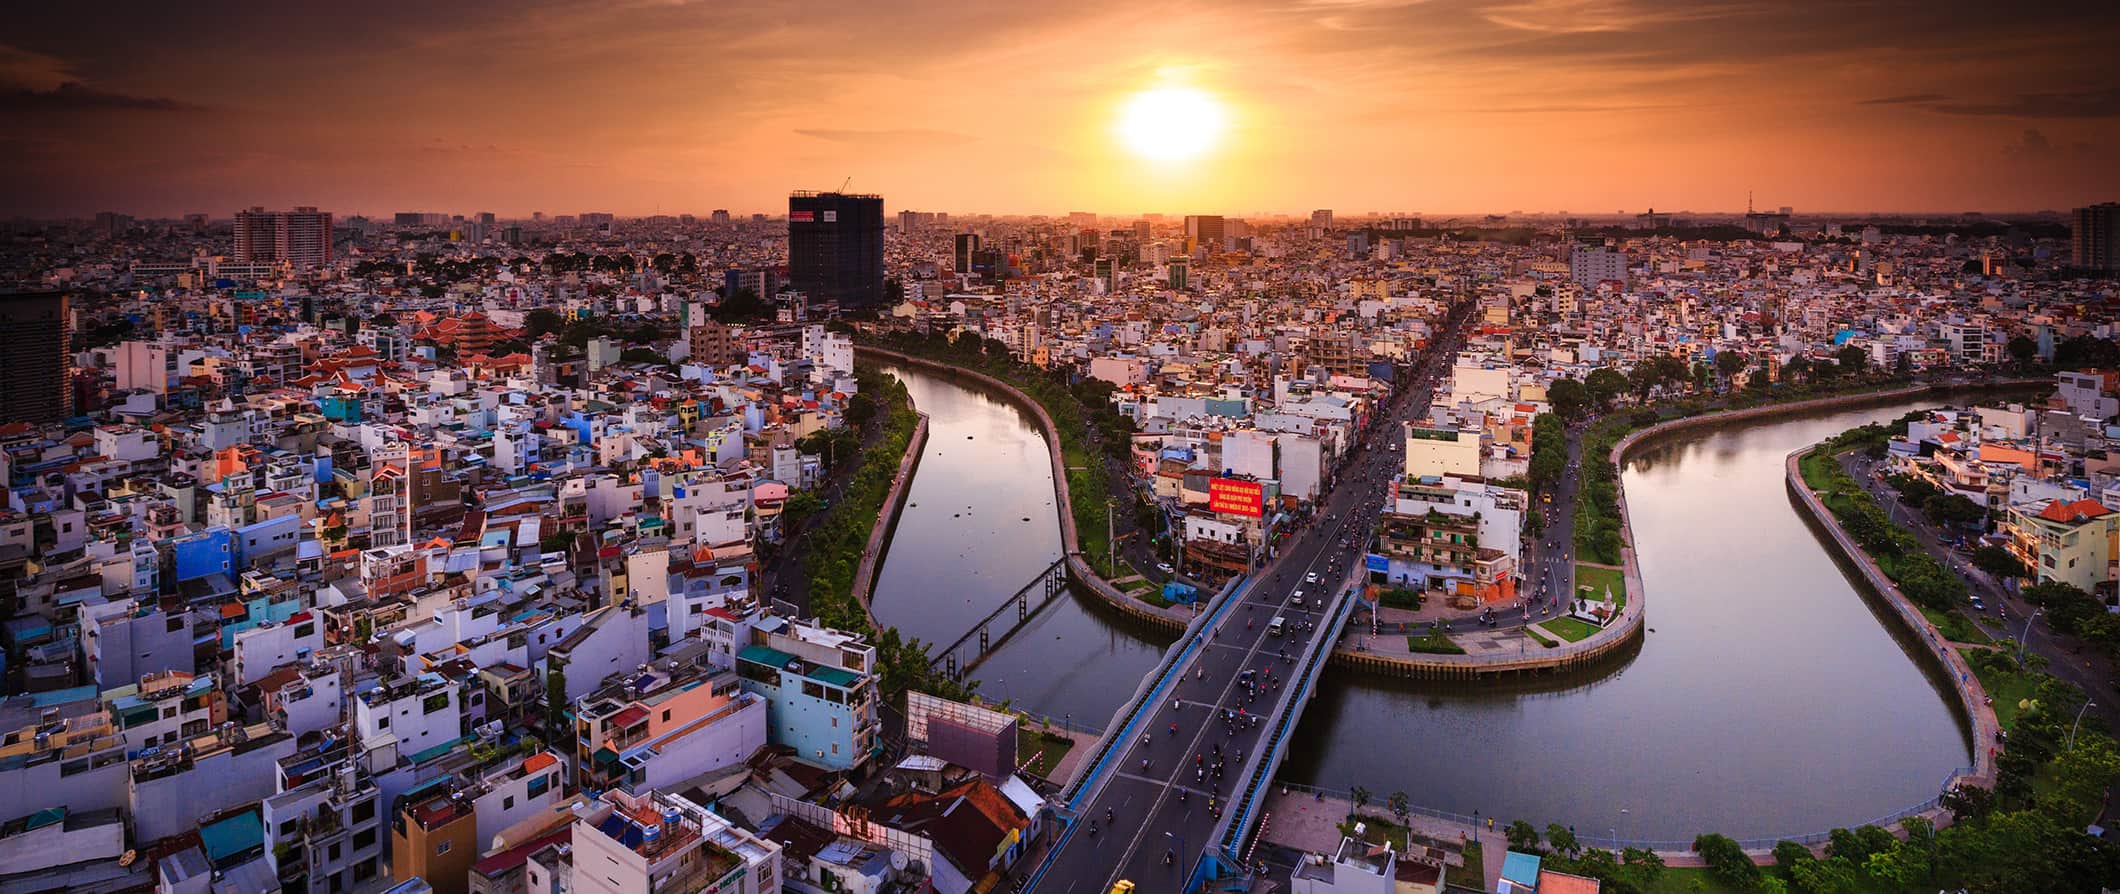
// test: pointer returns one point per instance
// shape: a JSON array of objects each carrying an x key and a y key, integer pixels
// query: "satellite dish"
[{"x": 898, "y": 860}]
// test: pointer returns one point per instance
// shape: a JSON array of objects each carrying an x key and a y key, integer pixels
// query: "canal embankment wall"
[
  {"x": 1080, "y": 572},
  {"x": 887, "y": 520}
]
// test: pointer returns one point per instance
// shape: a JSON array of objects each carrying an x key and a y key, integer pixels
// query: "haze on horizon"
[{"x": 1588, "y": 106}]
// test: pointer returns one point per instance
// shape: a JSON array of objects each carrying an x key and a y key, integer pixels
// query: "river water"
[
  {"x": 1770, "y": 699},
  {"x": 963, "y": 545}
]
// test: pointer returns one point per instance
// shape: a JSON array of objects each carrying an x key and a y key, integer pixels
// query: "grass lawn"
[
  {"x": 1540, "y": 638},
  {"x": 1048, "y": 748},
  {"x": 1599, "y": 579},
  {"x": 1434, "y": 644},
  {"x": 1474, "y": 873},
  {"x": 1152, "y": 596},
  {"x": 2006, "y": 689},
  {"x": 1956, "y": 627},
  {"x": 1570, "y": 629}
]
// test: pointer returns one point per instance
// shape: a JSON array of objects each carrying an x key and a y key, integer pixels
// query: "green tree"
[
  {"x": 1797, "y": 369},
  {"x": 1605, "y": 385},
  {"x": 1998, "y": 561},
  {"x": 1563, "y": 839},
  {"x": 2022, "y": 349},
  {"x": 1728, "y": 364},
  {"x": 1569, "y": 398},
  {"x": 1523, "y": 837},
  {"x": 1360, "y": 796},
  {"x": 1400, "y": 805},
  {"x": 1725, "y": 859},
  {"x": 1788, "y": 853},
  {"x": 2081, "y": 778},
  {"x": 1852, "y": 359},
  {"x": 1952, "y": 510},
  {"x": 860, "y": 409}
]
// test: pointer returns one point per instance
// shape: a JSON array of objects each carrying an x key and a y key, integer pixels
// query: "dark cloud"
[
  {"x": 75, "y": 96},
  {"x": 2081, "y": 104},
  {"x": 2100, "y": 103},
  {"x": 1906, "y": 99}
]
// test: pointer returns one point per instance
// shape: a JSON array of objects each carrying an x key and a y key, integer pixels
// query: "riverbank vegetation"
[
  {"x": 834, "y": 545},
  {"x": 1092, "y": 433},
  {"x": 1434, "y": 644}
]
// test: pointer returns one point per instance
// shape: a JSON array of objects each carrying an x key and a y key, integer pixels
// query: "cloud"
[
  {"x": 2099, "y": 103},
  {"x": 31, "y": 70},
  {"x": 74, "y": 96},
  {"x": 2033, "y": 146},
  {"x": 889, "y": 137}
]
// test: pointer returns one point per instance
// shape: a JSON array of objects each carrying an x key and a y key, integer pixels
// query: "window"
[
  {"x": 666, "y": 716},
  {"x": 364, "y": 811},
  {"x": 434, "y": 703},
  {"x": 508, "y": 802},
  {"x": 382, "y": 722},
  {"x": 538, "y": 784},
  {"x": 363, "y": 839},
  {"x": 176, "y": 624},
  {"x": 441, "y": 848},
  {"x": 334, "y": 853}
]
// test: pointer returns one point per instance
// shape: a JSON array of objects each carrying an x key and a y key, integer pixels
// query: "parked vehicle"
[{"x": 1275, "y": 628}]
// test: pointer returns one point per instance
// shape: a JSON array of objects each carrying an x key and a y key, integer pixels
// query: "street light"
[
  {"x": 2026, "y": 632},
  {"x": 1183, "y": 876},
  {"x": 2079, "y": 721}
]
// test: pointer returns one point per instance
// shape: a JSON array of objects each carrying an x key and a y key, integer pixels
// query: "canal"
[
  {"x": 980, "y": 522},
  {"x": 1769, "y": 700}
]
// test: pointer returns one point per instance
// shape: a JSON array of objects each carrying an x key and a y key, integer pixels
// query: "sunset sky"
[{"x": 1588, "y": 106}]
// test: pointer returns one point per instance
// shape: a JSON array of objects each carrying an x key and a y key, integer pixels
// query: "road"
[
  {"x": 1155, "y": 810},
  {"x": 2067, "y": 656}
]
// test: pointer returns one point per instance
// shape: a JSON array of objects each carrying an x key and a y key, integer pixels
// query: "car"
[
  {"x": 1297, "y": 598},
  {"x": 1978, "y": 605},
  {"x": 1165, "y": 568},
  {"x": 1310, "y": 578}
]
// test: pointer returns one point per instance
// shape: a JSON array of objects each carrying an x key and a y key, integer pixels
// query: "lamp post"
[
  {"x": 1183, "y": 876},
  {"x": 2079, "y": 722},
  {"x": 1475, "y": 827},
  {"x": 2022, "y": 635}
]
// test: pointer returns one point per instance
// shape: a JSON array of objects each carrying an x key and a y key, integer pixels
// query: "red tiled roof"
[{"x": 2074, "y": 511}]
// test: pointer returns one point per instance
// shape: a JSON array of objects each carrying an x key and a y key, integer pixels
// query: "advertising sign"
[
  {"x": 1235, "y": 497},
  {"x": 802, "y": 216},
  {"x": 1377, "y": 563}
]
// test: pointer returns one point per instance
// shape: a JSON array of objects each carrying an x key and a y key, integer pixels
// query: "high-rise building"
[
  {"x": 967, "y": 245},
  {"x": 2095, "y": 237},
  {"x": 36, "y": 328},
  {"x": 1321, "y": 218},
  {"x": 301, "y": 237},
  {"x": 1589, "y": 265},
  {"x": 835, "y": 247},
  {"x": 1142, "y": 231},
  {"x": 719, "y": 215},
  {"x": 1205, "y": 229}
]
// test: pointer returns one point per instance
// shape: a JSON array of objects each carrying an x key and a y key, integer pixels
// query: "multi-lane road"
[{"x": 1151, "y": 812}]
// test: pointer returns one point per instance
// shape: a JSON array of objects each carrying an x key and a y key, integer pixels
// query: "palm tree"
[
  {"x": 1360, "y": 796},
  {"x": 1399, "y": 805}
]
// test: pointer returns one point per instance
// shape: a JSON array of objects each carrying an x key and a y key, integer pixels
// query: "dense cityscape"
[{"x": 840, "y": 512}]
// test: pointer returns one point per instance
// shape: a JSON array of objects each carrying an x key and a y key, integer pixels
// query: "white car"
[
  {"x": 1164, "y": 567},
  {"x": 1297, "y": 599},
  {"x": 1310, "y": 578}
]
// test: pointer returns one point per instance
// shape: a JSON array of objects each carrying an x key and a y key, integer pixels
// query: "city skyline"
[{"x": 1588, "y": 107}]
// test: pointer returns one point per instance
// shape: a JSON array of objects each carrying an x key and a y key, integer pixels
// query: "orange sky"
[{"x": 1588, "y": 106}]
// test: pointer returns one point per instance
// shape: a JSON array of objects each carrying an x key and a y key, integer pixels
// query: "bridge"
[
  {"x": 962, "y": 654},
  {"x": 1150, "y": 807}
]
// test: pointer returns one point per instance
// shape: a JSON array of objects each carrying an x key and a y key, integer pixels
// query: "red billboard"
[{"x": 1236, "y": 497}]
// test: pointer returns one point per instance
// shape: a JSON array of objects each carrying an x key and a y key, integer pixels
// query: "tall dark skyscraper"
[
  {"x": 2094, "y": 237},
  {"x": 37, "y": 333},
  {"x": 967, "y": 245},
  {"x": 835, "y": 247}
]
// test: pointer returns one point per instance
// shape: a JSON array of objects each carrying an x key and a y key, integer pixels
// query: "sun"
[{"x": 1171, "y": 123}]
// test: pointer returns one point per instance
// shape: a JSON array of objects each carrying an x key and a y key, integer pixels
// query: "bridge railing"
[
  {"x": 1150, "y": 690},
  {"x": 1666, "y": 845},
  {"x": 1248, "y": 801}
]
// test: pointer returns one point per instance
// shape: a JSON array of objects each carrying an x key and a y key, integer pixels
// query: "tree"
[
  {"x": 1523, "y": 837},
  {"x": 1797, "y": 369},
  {"x": 1569, "y": 398},
  {"x": 1952, "y": 510},
  {"x": 555, "y": 701},
  {"x": 1788, "y": 853},
  {"x": 860, "y": 409},
  {"x": 1647, "y": 865},
  {"x": 1563, "y": 839},
  {"x": 2084, "y": 350},
  {"x": 1605, "y": 385},
  {"x": 2082, "y": 775},
  {"x": 1359, "y": 795},
  {"x": 1729, "y": 363},
  {"x": 1852, "y": 359},
  {"x": 1998, "y": 561},
  {"x": 1726, "y": 860},
  {"x": 2022, "y": 349},
  {"x": 1400, "y": 805}
]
